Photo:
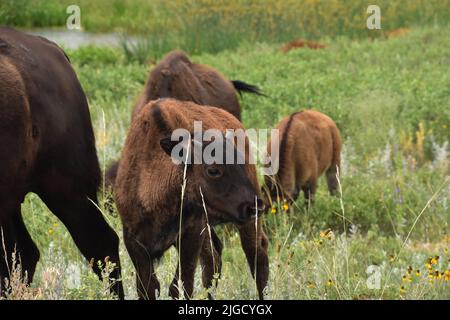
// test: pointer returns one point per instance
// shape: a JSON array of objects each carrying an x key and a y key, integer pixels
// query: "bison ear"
[
  {"x": 177, "y": 149},
  {"x": 167, "y": 144}
]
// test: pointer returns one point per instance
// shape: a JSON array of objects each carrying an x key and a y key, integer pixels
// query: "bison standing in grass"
[
  {"x": 310, "y": 144},
  {"x": 156, "y": 213},
  {"x": 47, "y": 147},
  {"x": 175, "y": 76}
]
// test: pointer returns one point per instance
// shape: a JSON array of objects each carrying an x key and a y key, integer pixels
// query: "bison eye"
[{"x": 213, "y": 172}]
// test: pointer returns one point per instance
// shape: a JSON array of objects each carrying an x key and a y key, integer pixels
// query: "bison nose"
[{"x": 253, "y": 209}]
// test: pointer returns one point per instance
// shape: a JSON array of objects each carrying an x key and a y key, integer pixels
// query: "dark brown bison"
[
  {"x": 47, "y": 147},
  {"x": 309, "y": 145},
  {"x": 148, "y": 193}
]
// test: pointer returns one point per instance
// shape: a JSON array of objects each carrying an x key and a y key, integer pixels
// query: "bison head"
[{"x": 223, "y": 187}]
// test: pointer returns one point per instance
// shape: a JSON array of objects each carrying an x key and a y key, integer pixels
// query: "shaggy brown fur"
[
  {"x": 310, "y": 144},
  {"x": 148, "y": 196},
  {"x": 301, "y": 43},
  {"x": 47, "y": 147},
  {"x": 175, "y": 76}
]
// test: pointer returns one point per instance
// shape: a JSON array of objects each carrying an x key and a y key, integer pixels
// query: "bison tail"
[{"x": 241, "y": 86}]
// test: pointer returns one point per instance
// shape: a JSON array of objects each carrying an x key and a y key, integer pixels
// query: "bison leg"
[
  {"x": 189, "y": 252},
  {"x": 26, "y": 248},
  {"x": 255, "y": 243},
  {"x": 332, "y": 178},
  {"x": 92, "y": 235},
  {"x": 147, "y": 283},
  {"x": 309, "y": 191},
  {"x": 14, "y": 238},
  {"x": 111, "y": 174},
  {"x": 211, "y": 259}
]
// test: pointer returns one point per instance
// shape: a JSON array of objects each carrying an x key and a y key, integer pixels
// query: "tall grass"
[
  {"x": 31, "y": 13},
  {"x": 215, "y": 25}
]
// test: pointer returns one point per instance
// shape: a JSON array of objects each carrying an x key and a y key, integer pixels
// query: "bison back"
[{"x": 59, "y": 112}]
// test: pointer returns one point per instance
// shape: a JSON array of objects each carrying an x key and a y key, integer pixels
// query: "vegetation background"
[{"x": 388, "y": 90}]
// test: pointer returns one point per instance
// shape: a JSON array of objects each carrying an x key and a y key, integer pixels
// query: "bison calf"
[
  {"x": 177, "y": 77},
  {"x": 310, "y": 144},
  {"x": 154, "y": 214}
]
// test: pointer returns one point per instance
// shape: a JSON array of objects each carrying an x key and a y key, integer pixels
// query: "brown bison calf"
[
  {"x": 47, "y": 147},
  {"x": 310, "y": 144},
  {"x": 154, "y": 214},
  {"x": 175, "y": 76}
]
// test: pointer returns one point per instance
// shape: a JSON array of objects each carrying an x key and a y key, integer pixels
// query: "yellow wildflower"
[
  {"x": 285, "y": 206},
  {"x": 437, "y": 275},
  {"x": 447, "y": 275},
  {"x": 434, "y": 260},
  {"x": 330, "y": 283},
  {"x": 328, "y": 234},
  {"x": 50, "y": 231},
  {"x": 402, "y": 290}
]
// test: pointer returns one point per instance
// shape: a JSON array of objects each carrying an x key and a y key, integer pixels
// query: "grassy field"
[
  {"x": 391, "y": 100},
  {"x": 211, "y": 26}
]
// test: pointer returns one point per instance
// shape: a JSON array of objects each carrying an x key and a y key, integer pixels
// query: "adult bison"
[
  {"x": 310, "y": 144},
  {"x": 158, "y": 213},
  {"x": 47, "y": 147}
]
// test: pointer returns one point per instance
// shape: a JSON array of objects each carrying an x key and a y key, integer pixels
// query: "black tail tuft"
[{"x": 241, "y": 86}]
